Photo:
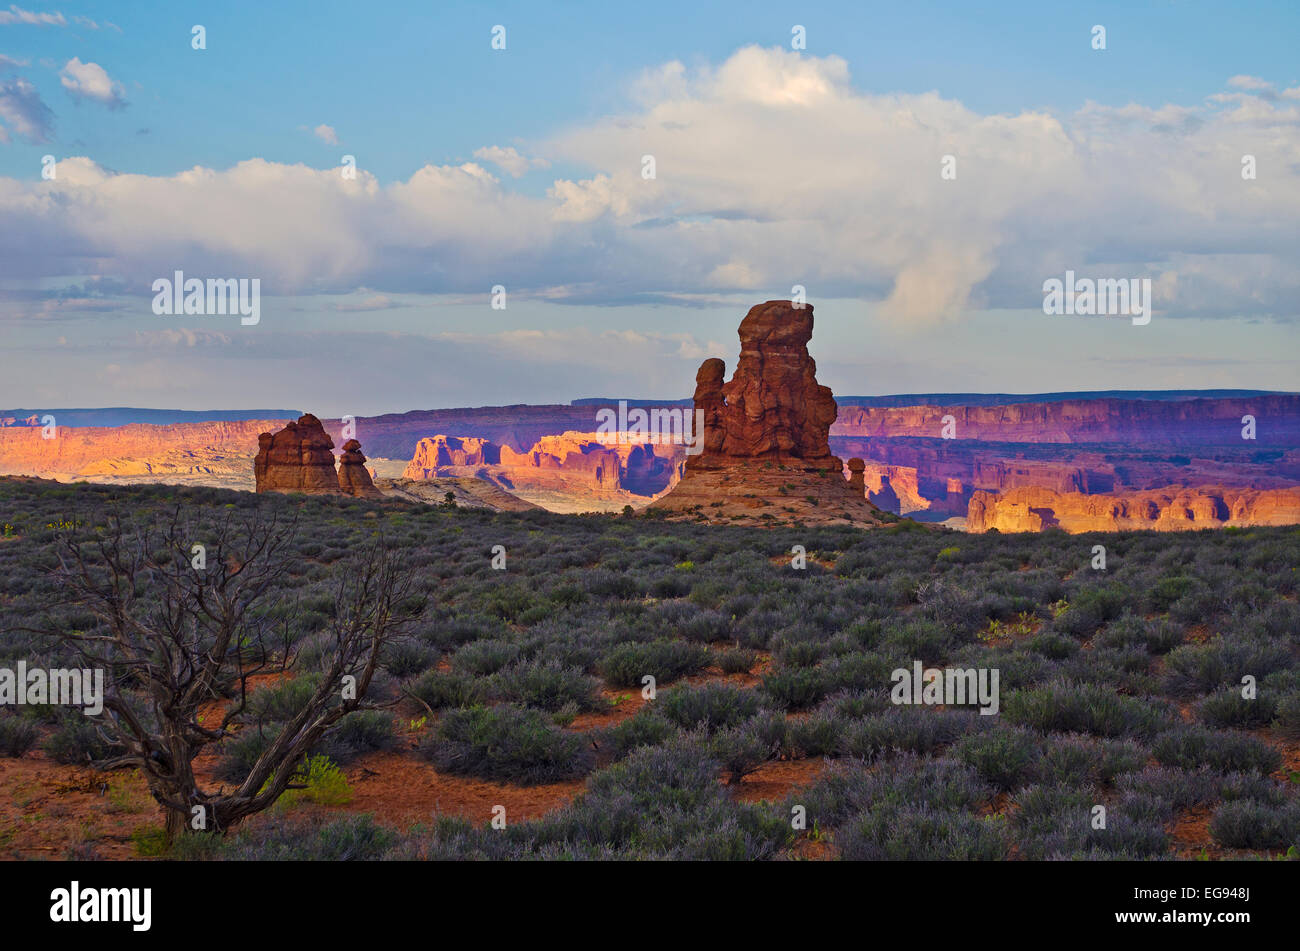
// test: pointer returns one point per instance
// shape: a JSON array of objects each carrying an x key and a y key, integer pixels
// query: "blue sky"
[{"x": 521, "y": 167}]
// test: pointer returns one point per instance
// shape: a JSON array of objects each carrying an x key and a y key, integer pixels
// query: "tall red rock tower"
[{"x": 765, "y": 445}]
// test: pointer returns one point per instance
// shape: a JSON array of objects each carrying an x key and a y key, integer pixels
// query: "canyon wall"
[
  {"x": 1175, "y": 508},
  {"x": 575, "y": 464},
  {"x": 1193, "y": 422}
]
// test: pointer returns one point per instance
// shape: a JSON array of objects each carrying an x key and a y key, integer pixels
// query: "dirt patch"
[{"x": 775, "y": 780}]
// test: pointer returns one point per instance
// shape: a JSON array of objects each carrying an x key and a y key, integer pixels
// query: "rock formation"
[
  {"x": 297, "y": 459},
  {"x": 773, "y": 409},
  {"x": 766, "y": 455},
  {"x": 354, "y": 477},
  {"x": 856, "y": 481},
  {"x": 1173, "y": 508},
  {"x": 1189, "y": 422},
  {"x": 571, "y": 471}
]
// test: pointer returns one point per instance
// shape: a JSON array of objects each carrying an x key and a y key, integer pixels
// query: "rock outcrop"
[
  {"x": 766, "y": 456},
  {"x": 1173, "y": 508},
  {"x": 773, "y": 409},
  {"x": 856, "y": 479},
  {"x": 299, "y": 458},
  {"x": 570, "y": 471},
  {"x": 354, "y": 477}
]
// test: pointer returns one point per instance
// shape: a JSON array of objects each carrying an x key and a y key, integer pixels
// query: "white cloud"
[
  {"x": 91, "y": 81},
  {"x": 8, "y": 62},
  {"x": 16, "y": 14},
  {"x": 23, "y": 111},
  {"x": 772, "y": 170},
  {"x": 509, "y": 160},
  {"x": 326, "y": 134}
]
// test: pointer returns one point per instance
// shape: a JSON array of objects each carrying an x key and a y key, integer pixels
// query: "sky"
[{"x": 920, "y": 170}]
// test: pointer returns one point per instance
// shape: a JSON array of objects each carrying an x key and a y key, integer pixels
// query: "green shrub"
[{"x": 506, "y": 743}]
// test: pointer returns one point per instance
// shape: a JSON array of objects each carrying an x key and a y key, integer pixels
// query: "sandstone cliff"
[
  {"x": 1173, "y": 508},
  {"x": 1194, "y": 422}
]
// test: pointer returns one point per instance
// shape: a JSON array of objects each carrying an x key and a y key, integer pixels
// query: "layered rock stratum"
[
  {"x": 1173, "y": 508},
  {"x": 571, "y": 471}
]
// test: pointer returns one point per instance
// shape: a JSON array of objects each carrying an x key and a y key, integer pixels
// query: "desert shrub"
[
  {"x": 858, "y": 670},
  {"x": 921, "y": 833},
  {"x": 17, "y": 736},
  {"x": 281, "y": 701},
  {"x": 239, "y": 752},
  {"x": 740, "y": 751},
  {"x": 706, "y": 627},
  {"x": 738, "y": 660},
  {"x": 849, "y": 787},
  {"x": 1228, "y": 708},
  {"x": 795, "y": 688},
  {"x": 406, "y": 658},
  {"x": 1288, "y": 715},
  {"x": 1090, "y": 608},
  {"x": 1004, "y": 758},
  {"x": 1248, "y": 824},
  {"x": 322, "y": 782},
  {"x": 666, "y": 802},
  {"x": 1181, "y": 788},
  {"x": 799, "y": 653},
  {"x": 1222, "y": 662},
  {"x": 1052, "y": 646},
  {"x": 284, "y": 837},
  {"x": 358, "y": 733},
  {"x": 647, "y": 728},
  {"x": 506, "y": 743},
  {"x": 484, "y": 658},
  {"x": 908, "y": 729},
  {"x": 712, "y": 706},
  {"x": 442, "y": 689},
  {"x": 1057, "y": 822},
  {"x": 1167, "y": 590},
  {"x": 76, "y": 741},
  {"x": 1191, "y": 746},
  {"x": 817, "y": 735},
  {"x": 547, "y": 685},
  {"x": 1119, "y": 757},
  {"x": 855, "y": 704},
  {"x": 1064, "y": 707},
  {"x": 666, "y": 661}
]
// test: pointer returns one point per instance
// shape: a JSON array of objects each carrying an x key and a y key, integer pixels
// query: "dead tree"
[{"x": 178, "y": 632}]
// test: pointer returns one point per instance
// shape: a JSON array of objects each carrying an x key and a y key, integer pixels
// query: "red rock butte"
[
  {"x": 766, "y": 454},
  {"x": 300, "y": 458}
]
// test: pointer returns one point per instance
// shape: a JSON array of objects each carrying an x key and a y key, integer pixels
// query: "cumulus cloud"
[
  {"x": 23, "y": 112},
  {"x": 91, "y": 81},
  {"x": 8, "y": 62},
  {"x": 509, "y": 160},
  {"x": 772, "y": 170},
  {"x": 326, "y": 134}
]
